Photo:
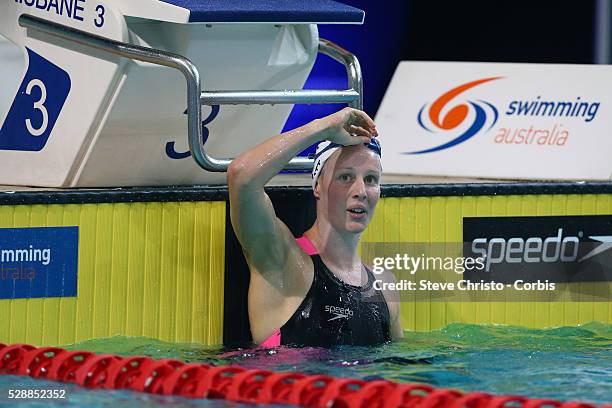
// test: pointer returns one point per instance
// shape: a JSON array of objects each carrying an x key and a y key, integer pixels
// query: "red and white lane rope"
[{"x": 173, "y": 377}]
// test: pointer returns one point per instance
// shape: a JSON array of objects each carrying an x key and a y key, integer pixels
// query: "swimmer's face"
[{"x": 348, "y": 189}]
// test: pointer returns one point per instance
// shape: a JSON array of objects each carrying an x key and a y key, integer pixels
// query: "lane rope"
[{"x": 234, "y": 383}]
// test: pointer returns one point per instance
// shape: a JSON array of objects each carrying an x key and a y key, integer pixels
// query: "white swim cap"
[
  {"x": 326, "y": 148},
  {"x": 324, "y": 151}
]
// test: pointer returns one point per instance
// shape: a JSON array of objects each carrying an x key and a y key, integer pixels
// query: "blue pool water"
[{"x": 569, "y": 363}]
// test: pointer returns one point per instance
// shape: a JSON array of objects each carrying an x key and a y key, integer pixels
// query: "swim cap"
[{"x": 326, "y": 148}]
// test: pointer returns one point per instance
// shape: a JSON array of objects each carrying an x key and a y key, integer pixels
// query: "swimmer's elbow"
[
  {"x": 242, "y": 182},
  {"x": 236, "y": 173}
]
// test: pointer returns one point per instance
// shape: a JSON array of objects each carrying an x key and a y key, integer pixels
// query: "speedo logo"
[
  {"x": 557, "y": 248},
  {"x": 338, "y": 312}
]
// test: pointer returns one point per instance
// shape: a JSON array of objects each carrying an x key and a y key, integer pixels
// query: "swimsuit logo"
[
  {"x": 338, "y": 312},
  {"x": 439, "y": 116}
]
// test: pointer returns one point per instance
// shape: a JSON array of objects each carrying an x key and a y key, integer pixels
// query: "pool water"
[{"x": 568, "y": 363}]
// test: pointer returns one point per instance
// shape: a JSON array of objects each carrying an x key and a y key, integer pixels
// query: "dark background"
[{"x": 542, "y": 31}]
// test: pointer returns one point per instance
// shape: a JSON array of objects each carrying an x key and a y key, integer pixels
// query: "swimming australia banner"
[
  {"x": 38, "y": 262},
  {"x": 515, "y": 121}
]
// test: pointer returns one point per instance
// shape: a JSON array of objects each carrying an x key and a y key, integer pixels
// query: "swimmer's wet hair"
[{"x": 326, "y": 148}]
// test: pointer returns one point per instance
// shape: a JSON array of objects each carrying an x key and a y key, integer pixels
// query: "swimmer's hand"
[{"x": 348, "y": 127}]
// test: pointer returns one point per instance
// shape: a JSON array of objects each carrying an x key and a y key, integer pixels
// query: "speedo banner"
[
  {"x": 498, "y": 120},
  {"x": 548, "y": 249}
]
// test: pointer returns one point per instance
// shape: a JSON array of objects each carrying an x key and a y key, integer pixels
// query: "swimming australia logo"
[
  {"x": 338, "y": 312},
  {"x": 462, "y": 121}
]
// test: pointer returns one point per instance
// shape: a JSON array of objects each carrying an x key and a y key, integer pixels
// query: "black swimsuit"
[{"x": 334, "y": 312}]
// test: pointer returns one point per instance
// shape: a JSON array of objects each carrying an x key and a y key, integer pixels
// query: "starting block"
[{"x": 109, "y": 93}]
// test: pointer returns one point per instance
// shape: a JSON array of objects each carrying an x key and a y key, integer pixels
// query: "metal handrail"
[
  {"x": 352, "y": 96},
  {"x": 303, "y": 96},
  {"x": 195, "y": 97},
  {"x": 350, "y": 62}
]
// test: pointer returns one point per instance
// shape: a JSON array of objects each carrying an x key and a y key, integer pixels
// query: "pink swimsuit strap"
[
  {"x": 275, "y": 339},
  {"x": 306, "y": 245}
]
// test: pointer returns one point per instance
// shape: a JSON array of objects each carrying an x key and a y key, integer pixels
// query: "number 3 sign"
[{"x": 36, "y": 107}]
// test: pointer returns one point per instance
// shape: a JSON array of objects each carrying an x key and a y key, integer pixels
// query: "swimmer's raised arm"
[{"x": 264, "y": 238}]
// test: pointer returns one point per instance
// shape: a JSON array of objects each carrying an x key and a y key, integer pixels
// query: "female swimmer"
[{"x": 314, "y": 290}]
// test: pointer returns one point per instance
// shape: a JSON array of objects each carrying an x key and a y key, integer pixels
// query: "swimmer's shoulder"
[{"x": 288, "y": 266}]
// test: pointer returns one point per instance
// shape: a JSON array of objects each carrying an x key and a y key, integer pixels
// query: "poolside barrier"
[{"x": 233, "y": 383}]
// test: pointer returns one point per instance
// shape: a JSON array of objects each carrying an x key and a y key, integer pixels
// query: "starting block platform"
[
  {"x": 147, "y": 92},
  {"x": 278, "y": 12}
]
